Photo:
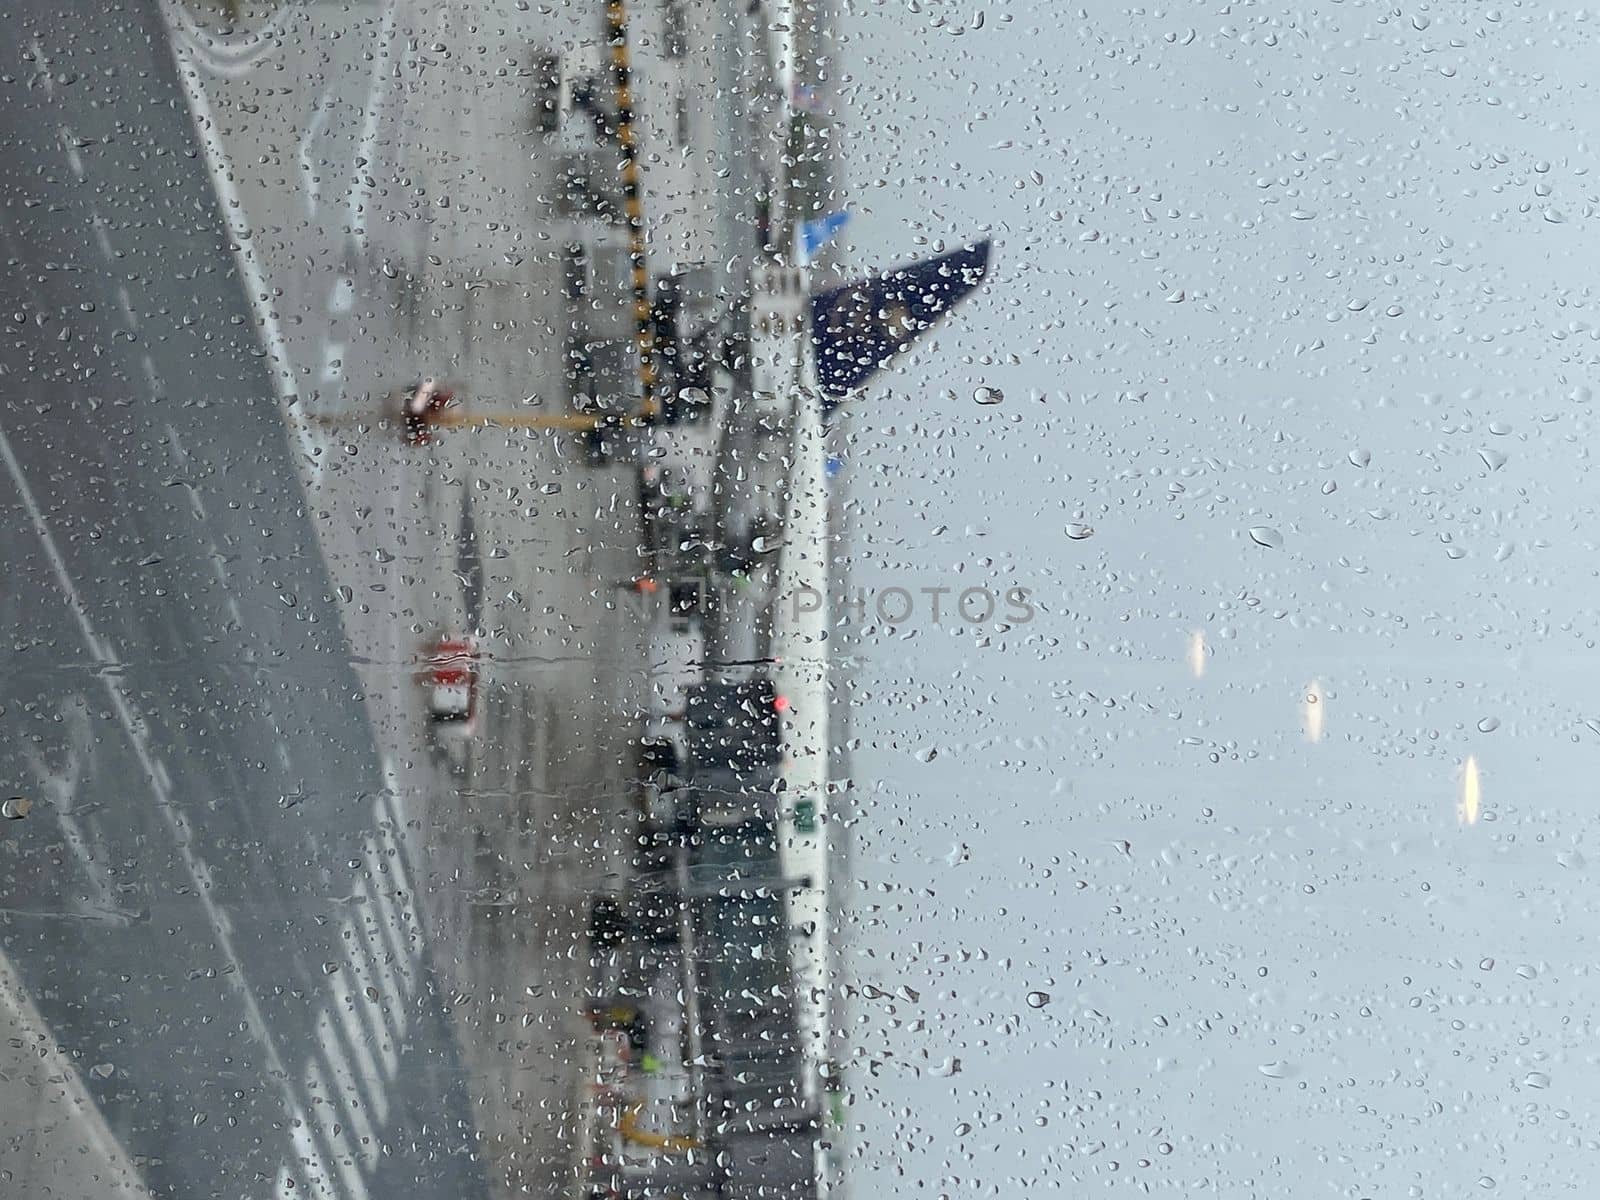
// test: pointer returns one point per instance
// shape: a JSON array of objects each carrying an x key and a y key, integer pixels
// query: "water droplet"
[
  {"x": 1360, "y": 458},
  {"x": 1277, "y": 1069},
  {"x": 1358, "y": 305},
  {"x": 1492, "y": 459},
  {"x": 1528, "y": 971},
  {"x": 988, "y": 395},
  {"x": 1079, "y": 532},
  {"x": 1265, "y": 535},
  {"x": 1038, "y": 999},
  {"x": 330, "y": 968},
  {"x": 1537, "y": 1080},
  {"x": 1488, "y": 724},
  {"x": 1486, "y": 964},
  {"x": 102, "y": 1070},
  {"x": 1500, "y": 428},
  {"x": 1485, "y": 1182},
  {"x": 1572, "y": 860}
]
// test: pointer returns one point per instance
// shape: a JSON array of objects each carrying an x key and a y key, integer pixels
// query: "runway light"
[
  {"x": 1315, "y": 712},
  {"x": 1471, "y": 793},
  {"x": 780, "y": 704},
  {"x": 1197, "y": 653}
]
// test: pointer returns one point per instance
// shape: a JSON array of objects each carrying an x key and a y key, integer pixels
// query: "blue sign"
[{"x": 814, "y": 235}]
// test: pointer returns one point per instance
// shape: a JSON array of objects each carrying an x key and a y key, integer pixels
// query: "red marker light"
[{"x": 780, "y": 704}]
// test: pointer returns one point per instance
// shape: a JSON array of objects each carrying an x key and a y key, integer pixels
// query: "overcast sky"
[{"x": 1293, "y": 318}]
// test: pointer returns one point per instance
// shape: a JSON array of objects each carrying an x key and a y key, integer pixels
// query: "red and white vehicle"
[
  {"x": 420, "y": 406},
  {"x": 450, "y": 684}
]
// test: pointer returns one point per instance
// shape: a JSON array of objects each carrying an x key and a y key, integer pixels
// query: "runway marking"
[
  {"x": 361, "y": 190},
  {"x": 74, "y": 159},
  {"x": 59, "y": 785},
  {"x": 344, "y": 1163},
  {"x": 231, "y": 59},
  {"x": 332, "y": 362},
  {"x": 250, "y": 274},
  {"x": 319, "y": 114},
  {"x": 377, "y": 974},
  {"x": 315, "y": 1170},
  {"x": 365, "y": 1140},
  {"x": 44, "y": 65},
  {"x": 134, "y": 728},
  {"x": 351, "y": 1009},
  {"x": 72, "y": 1099}
]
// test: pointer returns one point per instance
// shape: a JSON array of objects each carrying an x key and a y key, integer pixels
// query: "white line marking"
[
  {"x": 361, "y": 190},
  {"x": 352, "y": 1010},
  {"x": 390, "y": 950},
  {"x": 389, "y": 1007},
  {"x": 348, "y": 1080},
  {"x": 332, "y": 362},
  {"x": 231, "y": 59},
  {"x": 44, "y": 65},
  {"x": 255, "y": 288},
  {"x": 133, "y": 726},
  {"x": 343, "y": 1160},
  {"x": 313, "y": 190},
  {"x": 315, "y": 1171},
  {"x": 60, "y": 786},
  {"x": 344, "y": 294},
  {"x": 72, "y": 1107}
]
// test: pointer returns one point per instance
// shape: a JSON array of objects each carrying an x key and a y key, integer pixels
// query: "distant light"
[
  {"x": 1197, "y": 653},
  {"x": 780, "y": 703},
  {"x": 1315, "y": 712},
  {"x": 1471, "y": 793}
]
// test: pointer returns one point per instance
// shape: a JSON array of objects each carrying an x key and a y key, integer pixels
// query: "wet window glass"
[{"x": 773, "y": 599}]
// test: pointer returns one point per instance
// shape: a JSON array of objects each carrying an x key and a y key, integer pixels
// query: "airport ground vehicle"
[
  {"x": 419, "y": 407},
  {"x": 450, "y": 681}
]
